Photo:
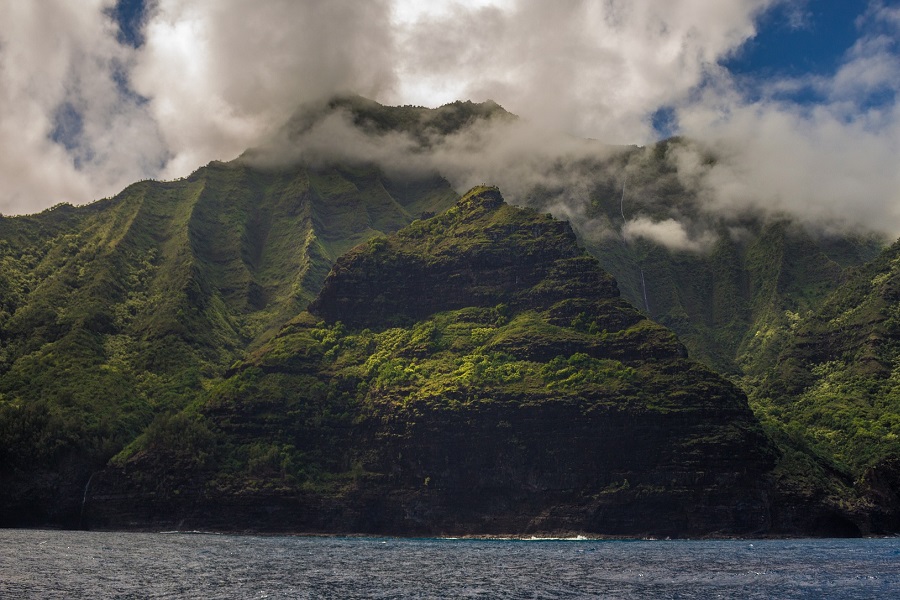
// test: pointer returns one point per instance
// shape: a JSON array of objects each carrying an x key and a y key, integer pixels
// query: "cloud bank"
[
  {"x": 669, "y": 233},
  {"x": 69, "y": 129},
  {"x": 84, "y": 112},
  {"x": 833, "y": 162}
]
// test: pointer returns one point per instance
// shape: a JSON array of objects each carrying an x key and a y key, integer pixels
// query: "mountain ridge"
[
  {"x": 551, "y": 406},
  {"x": 118, "y": 317},
  {"x": 128, "y": 307}
]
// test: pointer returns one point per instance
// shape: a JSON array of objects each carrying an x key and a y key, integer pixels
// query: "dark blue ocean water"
[{"x": 56, "y": 564}]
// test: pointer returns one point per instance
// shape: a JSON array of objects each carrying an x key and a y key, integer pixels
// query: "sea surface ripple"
[{"x": 74, "y": 564}]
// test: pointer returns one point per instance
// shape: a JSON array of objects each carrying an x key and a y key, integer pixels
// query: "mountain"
[
  {"x": 123, "y": 320},
  {"x": 730, "y": 282},
  {"x": 837, "y": 383},
  {"x": 118, "y": 311},
  {"x": 114, "y": 313},
  {"x": 475, "y": 371}
]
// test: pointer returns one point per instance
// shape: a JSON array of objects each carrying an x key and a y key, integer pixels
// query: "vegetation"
[
  {"x": 170, "y": 321},
  {"x": 727, "y": 297},
  {"x": 422, "y": 123},
  {"x": 836, "y": 384},
  {"x": 119, "y": 313},
  {"x": 326, "y": 404},
  {"x": 776, "y": 305}
]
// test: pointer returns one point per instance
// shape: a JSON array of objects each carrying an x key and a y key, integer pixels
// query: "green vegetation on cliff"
[
  {"x": 127, "y": 308},
  {"x": 744, "y": 291},
  {"x": 170, "y": 322},
  {"x": 730, "y": 282},
  {"x": 475, "y": 370},
  {"x": 837, "y": 381}
]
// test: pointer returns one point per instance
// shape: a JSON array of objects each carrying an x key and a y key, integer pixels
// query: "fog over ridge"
[{"x": 84, "y": 113}]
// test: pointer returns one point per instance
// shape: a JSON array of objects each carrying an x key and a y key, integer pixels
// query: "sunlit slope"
[{"x": 838, "y": 378}]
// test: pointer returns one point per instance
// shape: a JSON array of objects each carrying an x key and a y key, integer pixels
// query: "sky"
[{"x": 798, "y": 98}]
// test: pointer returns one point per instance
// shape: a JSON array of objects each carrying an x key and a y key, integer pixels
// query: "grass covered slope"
[
  {"x": 848, "y": 349},
  {"x": 836, "y": 387},
  {"x": 477, "y": 372},
  {"x": 119, "y": 320},
  {"x": 116, "y": 312}
]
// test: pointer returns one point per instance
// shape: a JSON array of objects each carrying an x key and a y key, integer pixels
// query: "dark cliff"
[
  {"x": 473, "y": 255},
  {"x": 475, "y": 373}
]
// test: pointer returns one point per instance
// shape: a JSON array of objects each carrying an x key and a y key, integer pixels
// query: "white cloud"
[
  {"x": 596, "y": 69},
  {"x": 833, "y": 163},
  {"x": 82, "y": 115},
  {"x": 59, "y": 64},
  {"x": 669, "y": 233},
  {"x": 219, "y": 75}
]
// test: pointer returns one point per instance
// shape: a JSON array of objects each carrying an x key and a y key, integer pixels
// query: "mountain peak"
[
  {"x": 474, "y": 372},
  {"x": 419, "y": 121},
  {"x": 481, "y": 252},
  {"x": 481, "y": 197}
]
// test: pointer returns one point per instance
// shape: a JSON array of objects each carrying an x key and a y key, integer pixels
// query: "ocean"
[{"x": 78, "y": 564}]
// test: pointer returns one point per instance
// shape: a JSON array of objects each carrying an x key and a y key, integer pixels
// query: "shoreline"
[{"x": 537, "y": 537}]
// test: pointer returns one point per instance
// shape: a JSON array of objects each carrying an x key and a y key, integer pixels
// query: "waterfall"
[
  {"x": 87, "y": 487},
  {"x": 624, "y": 221},
  {"x": 644, "y": 288}
]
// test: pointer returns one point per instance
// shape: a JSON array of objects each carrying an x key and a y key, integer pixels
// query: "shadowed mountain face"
[
  {"x": 728, "y": 282},
  {"x": 477, "y": 371},
  {"x": 843, "y": 356},
  {"x": 115, "y": 313}
]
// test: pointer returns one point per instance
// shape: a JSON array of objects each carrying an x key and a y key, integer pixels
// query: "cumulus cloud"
[
  {"x": 221, "y": 73},
  {"x": 595, "y": 69},
  {"x": 84, "y": 113},
  {"x": 669, "y": 233},
  {"x": 832, "y": 163},
  {"x": 67, "y": 131}
]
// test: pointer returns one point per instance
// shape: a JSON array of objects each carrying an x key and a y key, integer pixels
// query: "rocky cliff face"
[
  {"x": 480, "y": 253},
  {"x": 475, "y": 373}
]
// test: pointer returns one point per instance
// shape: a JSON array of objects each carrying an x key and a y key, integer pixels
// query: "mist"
[{"x": 85, "y": 112}]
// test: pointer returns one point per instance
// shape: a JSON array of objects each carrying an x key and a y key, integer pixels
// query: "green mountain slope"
[
  {"x": 477, "y": 371},
  {"x": 739, "y": 278},
  {"x": 126, "y": 308},
  {"x": 838, "y": 377},
  {"x": 115, "y": 313},
  {"x": 835, "y": 388},
  {"x": 728, "y": 298},
  {"x": 116, "y": 316}
]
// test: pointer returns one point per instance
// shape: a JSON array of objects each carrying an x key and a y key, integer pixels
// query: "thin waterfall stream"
[
  {"x": 87, "y": 487},
  {"x": 643, "y": 281}
]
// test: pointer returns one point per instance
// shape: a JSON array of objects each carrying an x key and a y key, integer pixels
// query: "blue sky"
[
  {"x": 792, "y": 38},
  {"x": 802, "y": 40},
  {"x": 795, "y": 39},
  {"x": 129, "y": 15},
  {"x": 99, "y": 93}
]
